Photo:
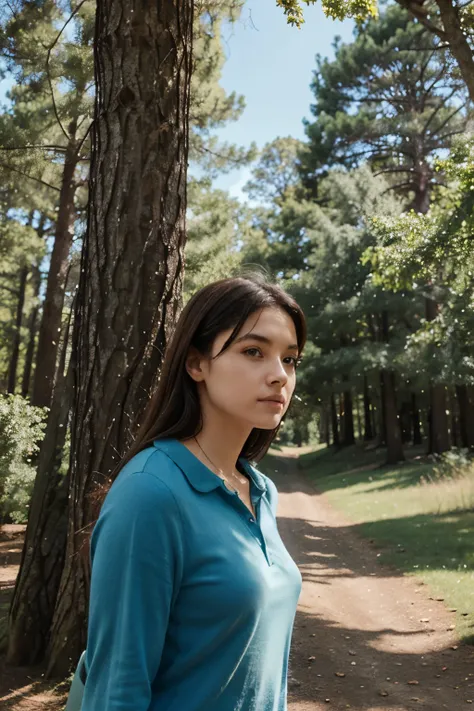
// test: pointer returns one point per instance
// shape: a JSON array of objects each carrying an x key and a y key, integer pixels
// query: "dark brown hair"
[{"x": 174, "y": 409}]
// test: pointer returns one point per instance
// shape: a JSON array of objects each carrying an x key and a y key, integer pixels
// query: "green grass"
[
  {"x": 329, "y": 461},
  {"x": 424, "y": 528}
]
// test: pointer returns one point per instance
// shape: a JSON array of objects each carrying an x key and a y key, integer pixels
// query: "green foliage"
[
  {"x": 277, "y": 173},
  {"x": 20, "y": 246},
  {"x": 337, "y": 9},
  {"x": 216, "y": 225},
  {"x": 21, "y": 431},
  {"x": 433, "y": 254},
  {"x": 451, "y": 465},
  {"x": 390, "y": 98}
]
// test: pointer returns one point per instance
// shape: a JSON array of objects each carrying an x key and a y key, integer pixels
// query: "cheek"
[{"x": 236, "y": 378}]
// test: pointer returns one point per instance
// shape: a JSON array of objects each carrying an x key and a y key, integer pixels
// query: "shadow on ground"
[{"x": 337, "y": 666}]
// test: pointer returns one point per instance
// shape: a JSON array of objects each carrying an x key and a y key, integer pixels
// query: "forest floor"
[
  {"x": 366, "y": 638},
  {"x": 21, "y": 688}
]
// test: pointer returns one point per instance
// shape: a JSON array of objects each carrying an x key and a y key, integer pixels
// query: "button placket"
[{"x": 251, "y": 521}]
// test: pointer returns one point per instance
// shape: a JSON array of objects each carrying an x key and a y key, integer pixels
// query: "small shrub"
[
  {"x": 22, "y": 429},
  {"x": 451, "y": 464},
  {"x": 452, "y": 480}
]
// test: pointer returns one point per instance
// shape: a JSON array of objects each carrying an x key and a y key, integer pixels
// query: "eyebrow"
[{"x": 262, "y": 339}]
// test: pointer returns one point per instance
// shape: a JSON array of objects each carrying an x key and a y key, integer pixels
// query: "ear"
[{"x": 194, "y": 365}]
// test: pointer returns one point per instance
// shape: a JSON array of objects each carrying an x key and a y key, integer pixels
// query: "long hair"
[{"x": 174, "y": 409}]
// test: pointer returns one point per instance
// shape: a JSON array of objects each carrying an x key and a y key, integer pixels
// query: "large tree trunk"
[
  {"x": 439, "y": 426},
  {"x": 405, "y": 422},
  {"x": 465, "y": 396},
  {"x": 416, "y": 421},
  {"x": 325, "y": 435},
  {"x": 439, "y": 439},
  {"x": 334, "y": 423},
  {"x": 368, "y": 430},
  {"x": 54, "y": 298},
  {"x": 32, "y": 320},
  {"x": 393, "y": 434},
  {"x": 17, "y": 337},
  {"x": 381, "y": 412},
  {"x": 348, "y": 420},
  {"x": 373, "y": 414},
  {"x": 359, "y": 421},
  {"x": 33, "y": 317},
  {"x": 132, "y": 262},
  {"x": 42, "y": 560},
  {"x": 393, "y": 431}
]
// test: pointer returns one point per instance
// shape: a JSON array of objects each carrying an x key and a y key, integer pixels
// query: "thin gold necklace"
[{"x": 241, "y": 481}]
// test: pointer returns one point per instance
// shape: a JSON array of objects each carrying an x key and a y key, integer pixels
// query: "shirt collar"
[{"x": 199, "y": 476}]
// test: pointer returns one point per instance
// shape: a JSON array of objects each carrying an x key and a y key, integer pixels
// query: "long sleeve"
[{"x": 137, "y": 564}]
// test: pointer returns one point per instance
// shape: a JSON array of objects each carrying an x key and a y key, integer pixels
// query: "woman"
[{"x": 193, "y": 594}]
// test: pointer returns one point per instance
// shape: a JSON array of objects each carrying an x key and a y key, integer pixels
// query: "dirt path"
[{"x": 365, "y": 637}]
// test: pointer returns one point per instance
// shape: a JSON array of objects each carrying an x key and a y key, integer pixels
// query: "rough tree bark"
[
  {"x": 417, "y": 439},
  {"x": 132, "y": 262},
  {"x": 393, "y": 435},
  {"x": 465, "y": 396},
  {"x": 348, "y": 420},
  {"x": 368, "y": 430},
  {"x": 42, "y": 561},
  {"x": 439, "y": 440},
  {"x": 50, "y": 327},
  {"x": 334, "y": 422},
  {"x": 32, "y": 321},
  {"x": 13, "y": 365},
  {"x": 33, "y": 317}
]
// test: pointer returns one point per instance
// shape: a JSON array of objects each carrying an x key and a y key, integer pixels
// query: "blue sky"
[{"x": 271, "y": 64}]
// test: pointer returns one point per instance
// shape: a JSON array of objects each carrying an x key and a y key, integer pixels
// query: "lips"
[{"x": 274, "y": 398}]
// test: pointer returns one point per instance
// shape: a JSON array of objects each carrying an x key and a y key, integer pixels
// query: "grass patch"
[
  {"x": 424, "y": 525},
  {"x": 328, "y": 461}
]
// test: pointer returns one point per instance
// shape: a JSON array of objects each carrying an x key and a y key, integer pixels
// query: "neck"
[{"x": 221, "y": 442}]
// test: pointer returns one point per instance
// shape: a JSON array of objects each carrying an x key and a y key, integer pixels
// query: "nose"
[{"x": 278, "y": 373}]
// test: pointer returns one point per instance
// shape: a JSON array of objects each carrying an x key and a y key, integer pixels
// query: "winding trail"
[{"x": 366, "y": 637}]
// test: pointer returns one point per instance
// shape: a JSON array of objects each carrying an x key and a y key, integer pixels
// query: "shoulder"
[
  {"x": 149, "y": 470},
  {"x": 143, "y": 485},
  {"x": 139, "y": 508}
]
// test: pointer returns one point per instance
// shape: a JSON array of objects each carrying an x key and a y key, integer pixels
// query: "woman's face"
[{"x": 253, "y": 380}]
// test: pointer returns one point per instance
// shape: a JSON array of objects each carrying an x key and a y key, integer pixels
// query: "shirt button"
[{"x": 251, "y": 519}]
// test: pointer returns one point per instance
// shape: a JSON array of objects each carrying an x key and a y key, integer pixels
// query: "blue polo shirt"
[{"x": 192, "y": 600}]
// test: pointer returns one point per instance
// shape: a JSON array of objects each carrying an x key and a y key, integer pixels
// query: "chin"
[{"x": 268, "y": 423}]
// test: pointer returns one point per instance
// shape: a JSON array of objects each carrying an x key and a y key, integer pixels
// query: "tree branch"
[
  {"x": 406, "y": 184},
  {"x": 203, "y": 149},
  {"x": 440, "y": 106},
  {"x": 48, "y": 57},
  {"x": 394, "y": 170},
  {"x": 58, "y": 149},
  {"x": 421, "y": 15},
  {"x": 26, "y": 175}
]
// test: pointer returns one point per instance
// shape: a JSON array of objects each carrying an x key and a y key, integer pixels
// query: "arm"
[{"x": 137, "y": 560}]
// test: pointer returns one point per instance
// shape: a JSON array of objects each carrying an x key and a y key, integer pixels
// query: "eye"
[
  {"x": 252, "y": 352},
  {"x": 296, "y": 360}
]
